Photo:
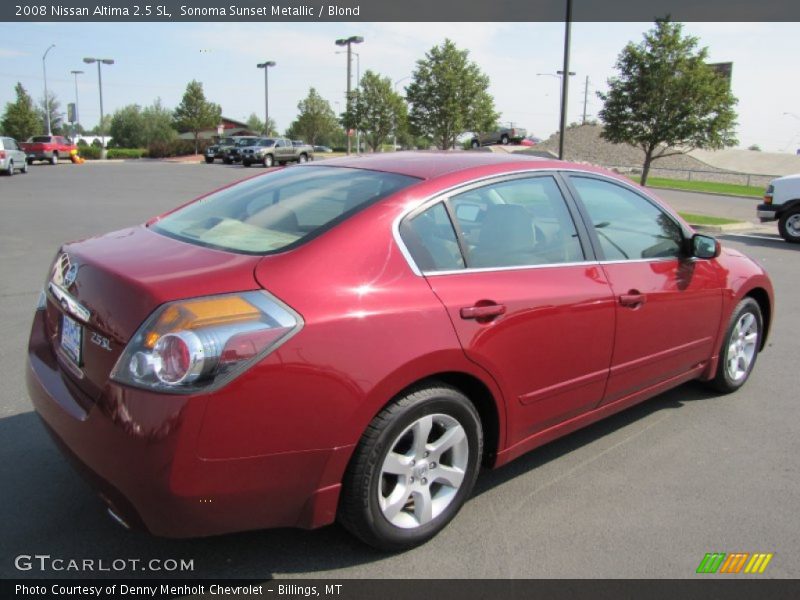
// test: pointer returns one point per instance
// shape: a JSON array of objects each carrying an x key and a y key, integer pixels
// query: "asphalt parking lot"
[{"x": 643, "y": 494}]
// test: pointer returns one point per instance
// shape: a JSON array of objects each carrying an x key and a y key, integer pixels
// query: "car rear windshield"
[
  {"x": 279, "y": 210},
  {"x": 41, "y": 139}
]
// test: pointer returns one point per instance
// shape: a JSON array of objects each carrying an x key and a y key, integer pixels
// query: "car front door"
[
  {"x": 525, "y": 297},
  {"x": 668, "y": 304}
]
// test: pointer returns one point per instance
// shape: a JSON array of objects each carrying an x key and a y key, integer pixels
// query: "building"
[{"x": 227, "y": 127}]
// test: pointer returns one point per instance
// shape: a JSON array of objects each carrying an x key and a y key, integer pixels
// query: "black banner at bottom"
[{"x": 702, "y": 588}]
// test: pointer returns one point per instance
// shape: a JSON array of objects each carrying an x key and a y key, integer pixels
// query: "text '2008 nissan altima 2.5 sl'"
[{"x": 354, "y": 340}]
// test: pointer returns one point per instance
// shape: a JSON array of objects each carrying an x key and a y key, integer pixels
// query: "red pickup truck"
[{"x": 48, "y": 148}]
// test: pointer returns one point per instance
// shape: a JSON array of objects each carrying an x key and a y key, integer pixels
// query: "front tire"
[
  {"x": 504, "y": 140},
  {"x": 740, "y": 347},
  {"x": 268, "y": 161},
  {"x": 414, "y": 468},
  {"x": 302, "y": 158},
  {"x": 789, "y": 226},
  {"x": 24, "y": 167},
  {"x": 209, "y": 160},
  {"x": 475, "y": 144}
]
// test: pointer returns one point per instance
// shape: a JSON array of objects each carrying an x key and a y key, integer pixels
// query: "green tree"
[
  {"x": 377, "y": 109},
  {"x": 448, "y": 96},
  {"x": 20, "y": 119},
  {"x": 315, "y": 120},
  {"x": 195, "y": 113},
  {"x": 666, "y": 100},
  {"x": 97, "y": 130},
  {"x": 56, "y": 117},
  {"x": 158, "y": 123},
  {"x": 257, "y": 125},
  {"x": 128, "y": 127}
]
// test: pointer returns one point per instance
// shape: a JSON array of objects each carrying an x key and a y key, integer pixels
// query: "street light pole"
[
  {"x": 358, "y": 83},
  {"x": 77, "y": 106},
  {"x": 99, "y": 61},
  {"x": 565, "y": 81},
  {"x": 46, "y": 97},
  {"x": 559, "y": 75},
  {"x": 266, "y": 65},
  {"x": 353, "y": 39}
]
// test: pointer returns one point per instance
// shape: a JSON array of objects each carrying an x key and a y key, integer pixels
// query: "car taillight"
[
  {"x": 201, "y": 344},
  {"x": 2, "y": 154}
]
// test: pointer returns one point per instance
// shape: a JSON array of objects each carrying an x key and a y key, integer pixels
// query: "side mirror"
[{"x": 705, "y": 246}]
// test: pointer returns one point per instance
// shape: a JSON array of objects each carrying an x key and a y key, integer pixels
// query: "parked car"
[
  {"x": 504, "y": 135},
  {"x": 322, "y": 149},
  {"x": 50, "y": 148},
  {"x": 217, "y": 150},
  {"x": 272, "y": 151},
  {"x": 782, "y": 204},
  {"x": 530, "y": 140},
  {"x": 233, "y": 154},
  {"x": 12, "y": 158},
  {"x": 354, "y": 339}
]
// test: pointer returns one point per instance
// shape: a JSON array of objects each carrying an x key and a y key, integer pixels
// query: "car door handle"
[
  {"x": 632, "y": 299},
  {"x": 483, "y": 312}
]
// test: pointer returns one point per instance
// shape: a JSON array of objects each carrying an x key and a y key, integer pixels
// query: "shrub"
[
  {"x": 177, "y": 147},
  {"x": 89, "y": 152},
  {"x": 127, "y": 153}
]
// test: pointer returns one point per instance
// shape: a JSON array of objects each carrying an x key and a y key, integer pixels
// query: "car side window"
[
  {"x": 432, "y": 241},
  {"x": 628, "y": 226},
  {"x": 11, "y": 144},
  {"x": 520, "y": 222}
]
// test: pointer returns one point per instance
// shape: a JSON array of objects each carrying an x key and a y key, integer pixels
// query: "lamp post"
[
  {"x": 565, "y": 80},
  {"x": 77, "y": 106},
  {"x": 46, "y": 97},
  {"x": 99, "y": 61},
  {"x": 266, "y": 65},
  {"x": 394, "y": 120},
  {"x": 353, "y": 39},
  {"x": 358, "y": 83}
]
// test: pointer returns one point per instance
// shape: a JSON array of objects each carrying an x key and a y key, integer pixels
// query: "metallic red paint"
[{"x": 271, "y": 447}]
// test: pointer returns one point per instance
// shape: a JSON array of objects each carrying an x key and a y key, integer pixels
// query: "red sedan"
[{"x": 354, "y": 339}]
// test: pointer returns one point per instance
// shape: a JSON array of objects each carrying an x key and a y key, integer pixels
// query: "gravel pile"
[{"x": 584, "y": 144}]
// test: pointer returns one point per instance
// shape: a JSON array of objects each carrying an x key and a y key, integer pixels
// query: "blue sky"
[{"x": 158, "y": 60}]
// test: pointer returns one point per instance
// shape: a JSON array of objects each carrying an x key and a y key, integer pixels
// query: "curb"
[
  {"x": 658, "y": 187},
  {"x": 740, "y": 226}
]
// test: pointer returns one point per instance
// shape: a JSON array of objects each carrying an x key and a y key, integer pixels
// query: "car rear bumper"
[
  {"x": 766, "y": 212},
  {"x": 138, "y": 450}
]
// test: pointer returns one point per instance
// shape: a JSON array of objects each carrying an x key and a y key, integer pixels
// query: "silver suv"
[{"x": 11, "y": 157}]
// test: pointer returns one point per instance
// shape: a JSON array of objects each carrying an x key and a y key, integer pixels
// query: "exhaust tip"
[{"x": 117, "y": 518}]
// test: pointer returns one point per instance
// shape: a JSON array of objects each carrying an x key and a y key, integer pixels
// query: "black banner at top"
[{"x": 395, "y": 10}]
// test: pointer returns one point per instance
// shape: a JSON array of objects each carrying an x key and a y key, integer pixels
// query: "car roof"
[{"x": 432, "y": 164}]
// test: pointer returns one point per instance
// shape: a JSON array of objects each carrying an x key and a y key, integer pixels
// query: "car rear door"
[
  {"x": 513, "y": 267},
  {"x": 668, "y": 304}
]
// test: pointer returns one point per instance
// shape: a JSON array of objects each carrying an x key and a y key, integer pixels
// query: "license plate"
[{"x": 71, "y": 339}]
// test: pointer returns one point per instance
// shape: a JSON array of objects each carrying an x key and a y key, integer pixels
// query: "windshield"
[
  {"x": 246, "y": 142},
  {"x": 265, "y": 142},
  {"x": 279, "y": 210}
]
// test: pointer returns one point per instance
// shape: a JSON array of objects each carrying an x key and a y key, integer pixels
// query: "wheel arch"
[{"x": 761, "y": 296}]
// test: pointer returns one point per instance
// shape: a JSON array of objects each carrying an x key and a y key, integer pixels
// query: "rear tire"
[
  {"x": 302, "y": 158},
  {"x": 413, "y": 469},
  {"x": 740, "y": 347},
  {"x": 504, "y": 140},
  {"x": 54, "y": 159},
  {"x": 10, "y": 170},
  {"x": 24, "y": 167},
  {"x": 789, "y": 225},
  {"x": 476, "y": 144}
]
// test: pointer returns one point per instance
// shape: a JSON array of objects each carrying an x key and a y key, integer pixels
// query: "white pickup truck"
[{"x": 782, "y": 204}]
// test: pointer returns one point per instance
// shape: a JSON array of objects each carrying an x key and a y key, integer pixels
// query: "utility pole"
[
  {"x": 46, "y": 97},
  {"x": 585, "y": 98}
]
